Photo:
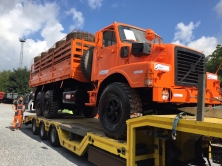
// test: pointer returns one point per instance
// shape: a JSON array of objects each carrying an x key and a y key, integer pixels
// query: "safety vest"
[{"x": 19, "y": 109}]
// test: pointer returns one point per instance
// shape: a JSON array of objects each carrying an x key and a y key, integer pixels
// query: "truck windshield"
[{"x": 129, "y": 34}]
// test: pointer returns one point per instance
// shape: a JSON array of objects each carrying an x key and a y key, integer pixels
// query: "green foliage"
[
  {"x": 4, "y": 76},
  {"x": 16, "y": 81},
  {"x": 19, "y": 81},
  {"x": 213, "y": 61}
]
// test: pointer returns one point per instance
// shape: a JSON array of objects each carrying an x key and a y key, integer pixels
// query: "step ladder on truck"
[{"x": 140, "y": 86}]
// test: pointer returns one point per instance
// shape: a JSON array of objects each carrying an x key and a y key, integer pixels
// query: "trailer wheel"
[
  {"x": 86, "y": 63},
  {"x": 90, "y": 112},
  {"x": 42, "y": 131},
  {"x": 50, "y": 107},
  {"x": 39, "y": 103},
  {"x": 116, "y": 104},
  {"x": 53, "y": 137},
  {"x": 35, "y": 129}
]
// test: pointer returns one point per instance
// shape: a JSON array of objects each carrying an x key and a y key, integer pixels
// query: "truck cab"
[
  {"x": 135, "y": 73},
  {"x": 140, "y": 58}
]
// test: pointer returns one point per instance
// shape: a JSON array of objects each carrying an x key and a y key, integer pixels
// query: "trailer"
[{"x": 151, "y": 140}]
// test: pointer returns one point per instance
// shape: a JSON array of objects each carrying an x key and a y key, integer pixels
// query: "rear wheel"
[
  {"x": 39, "y": 103},
  {"x": 50, "y": 106},
  {"x": 35, "y": 129},
  {"x": 42, "y": 131},
  {"x": 116, "y": 104},
  {"x": 53, "y": 137}
]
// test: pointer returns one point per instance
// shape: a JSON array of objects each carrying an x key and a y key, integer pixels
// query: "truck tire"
[
  {"x": 53, "y": 137},
  {"x": 116, "y": 104},
  {"x": 50, "y": 107},
  {"x": 86, "y": 63},
  {"x": 42, "y": 131},
  {"x": 39, "y": 103},
  {"x": 90, "y": 112},
  {"x": 35, "y": 129}
]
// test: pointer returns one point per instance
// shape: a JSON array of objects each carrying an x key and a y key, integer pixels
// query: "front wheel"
[{"x": 116, "y": 104}]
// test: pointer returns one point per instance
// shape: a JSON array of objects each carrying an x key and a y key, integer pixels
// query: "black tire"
[
  {"x": 86, "y": 63},
  {"x": 53, "y": 137},
  {"x": 90, "y": 112},
  {"x": 35, "y": 129},
  {"x": 50, "y": 107},
  {"x": 116, "y": 104},
  {"x": 39, "y": 103},
  {"x": 42, "y": 131}
]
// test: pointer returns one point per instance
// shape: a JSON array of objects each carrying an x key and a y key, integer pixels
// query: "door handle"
[{"x": 100, "y": 56}]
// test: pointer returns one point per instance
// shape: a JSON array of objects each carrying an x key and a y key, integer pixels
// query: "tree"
[
  {"x": 4, "y": 76},
  {"x": 213, "y": 61},
  {"x": 18, "y": 81}
]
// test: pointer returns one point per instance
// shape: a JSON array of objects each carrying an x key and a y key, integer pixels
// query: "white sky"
[{"x": 18, "y": 20}]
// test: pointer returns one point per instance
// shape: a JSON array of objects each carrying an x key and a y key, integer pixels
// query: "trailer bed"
[{"x": 140, "y": 147}]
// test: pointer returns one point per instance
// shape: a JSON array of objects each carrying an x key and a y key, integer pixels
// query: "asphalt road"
[{"x": 22, "y": 148}]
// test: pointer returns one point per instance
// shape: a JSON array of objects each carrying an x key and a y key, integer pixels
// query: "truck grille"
[{"x": 188, "y": 65}]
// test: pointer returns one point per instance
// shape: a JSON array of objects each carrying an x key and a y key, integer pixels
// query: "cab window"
[{"x": 109, "y": 38}]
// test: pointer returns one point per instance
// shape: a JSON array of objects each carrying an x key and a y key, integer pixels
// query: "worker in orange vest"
[{"x": 18, "y": 107}]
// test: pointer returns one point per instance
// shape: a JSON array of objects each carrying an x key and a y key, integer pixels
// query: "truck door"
[{"x": 107, "y": 53}]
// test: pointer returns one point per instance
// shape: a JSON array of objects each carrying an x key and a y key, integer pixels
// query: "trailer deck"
[{"x": 145, "y": 143}]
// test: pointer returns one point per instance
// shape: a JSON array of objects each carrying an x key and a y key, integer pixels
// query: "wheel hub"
[{"x": 113, "y": 110}]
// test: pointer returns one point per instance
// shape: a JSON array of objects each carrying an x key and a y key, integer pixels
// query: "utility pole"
[{"x": 21, "y": 53}]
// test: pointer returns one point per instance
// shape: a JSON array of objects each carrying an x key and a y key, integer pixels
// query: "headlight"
[
  {"x": 165, "y": 95},
  {"x": 148, "y": 82}
]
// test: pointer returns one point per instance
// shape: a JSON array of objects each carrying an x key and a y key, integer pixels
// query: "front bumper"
[{"x": 186, "y": 95}]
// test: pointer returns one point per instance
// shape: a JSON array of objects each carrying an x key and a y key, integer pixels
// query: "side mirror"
[
  {"x": 124, "y": 52},
  {"x": 150, "y": 34}
]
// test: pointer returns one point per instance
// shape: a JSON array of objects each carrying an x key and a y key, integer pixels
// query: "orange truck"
[{"x": 124, "y": 72}]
